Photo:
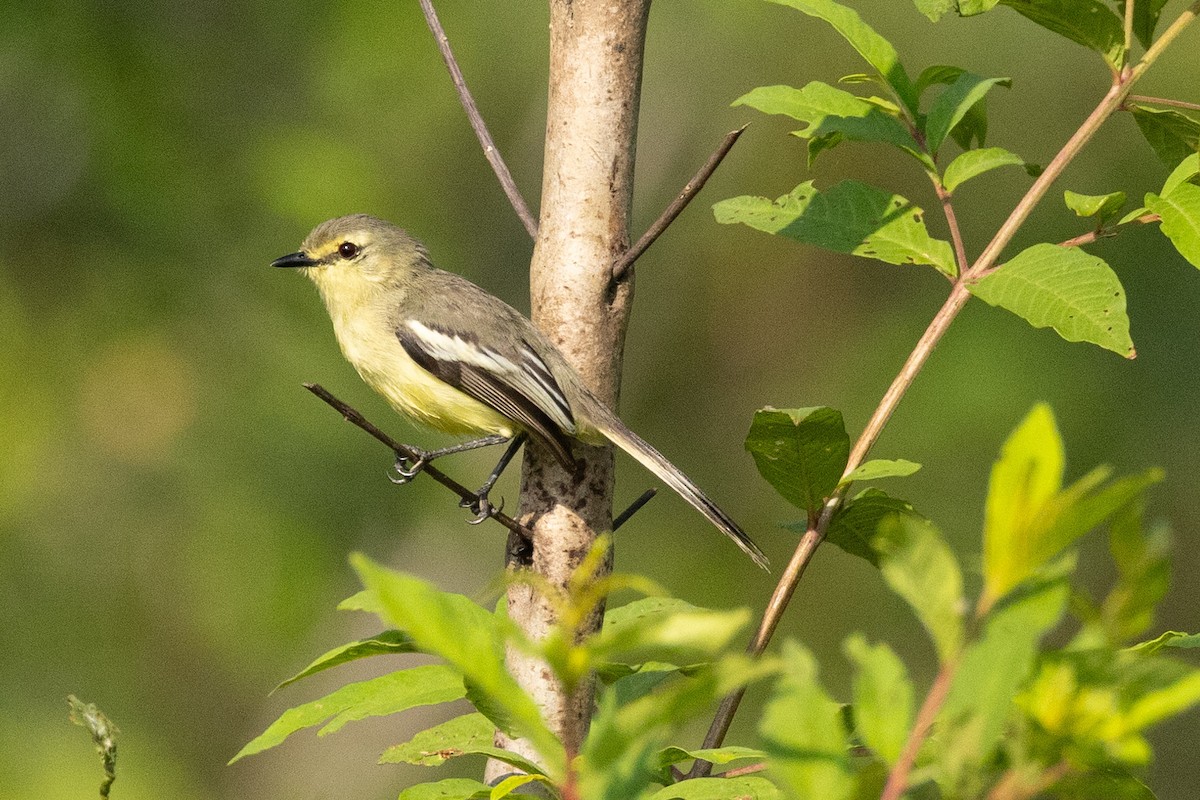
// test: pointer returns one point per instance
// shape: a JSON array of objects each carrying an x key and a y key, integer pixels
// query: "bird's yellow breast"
[{"x": 369, "y": 343}]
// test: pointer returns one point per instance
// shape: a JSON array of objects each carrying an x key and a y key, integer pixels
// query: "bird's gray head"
[{"x": 356, "y": 253}]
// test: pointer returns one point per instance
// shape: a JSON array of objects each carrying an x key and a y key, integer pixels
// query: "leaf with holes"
[{"x": 1065, "y": 288}]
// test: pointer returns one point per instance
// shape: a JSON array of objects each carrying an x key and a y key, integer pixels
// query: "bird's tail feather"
[{"x": 616, "y": 432}]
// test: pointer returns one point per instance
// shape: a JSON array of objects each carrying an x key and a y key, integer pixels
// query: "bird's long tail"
[{"x": 616, "y": 432}]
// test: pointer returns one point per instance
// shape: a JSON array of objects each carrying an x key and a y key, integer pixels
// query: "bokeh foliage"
[{"x": 161, "y": 464}]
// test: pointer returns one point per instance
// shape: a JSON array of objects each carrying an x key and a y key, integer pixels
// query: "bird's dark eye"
[{"x": 347, "y": 249}]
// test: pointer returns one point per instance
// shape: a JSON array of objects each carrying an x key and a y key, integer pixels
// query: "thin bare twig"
[
  {"x": 477, "y": 124},
  {"x": 1128, "y": 30},
  {"x": 1162, "y": 101},
  {"x": 689, "y": 191},
  {"x": 897, "y": 780},
  {"x": 405, "y": 451}
]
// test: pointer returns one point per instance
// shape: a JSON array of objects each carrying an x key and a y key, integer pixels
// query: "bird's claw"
[
  {"x": 407, "y": 469},
  {"x": 481, "y": 506}
]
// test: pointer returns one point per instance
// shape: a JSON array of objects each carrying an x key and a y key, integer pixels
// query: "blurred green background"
[{"x": 176, "y": 510}]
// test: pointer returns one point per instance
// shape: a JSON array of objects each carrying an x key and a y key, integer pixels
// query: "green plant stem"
[
  {"x": 1163, "y": 101},
  {"x": 1128, "y": 30},
  {"x": 960, "y": 252},
  {"x": 950, "y": 309},
  {"x": 897, "y": 780}
]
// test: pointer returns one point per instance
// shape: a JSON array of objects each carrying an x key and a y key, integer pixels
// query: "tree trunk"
[{"x": 596, "y": 51}]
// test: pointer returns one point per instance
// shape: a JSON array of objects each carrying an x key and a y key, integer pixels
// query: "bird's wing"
[{"x": 517, "y": 384}]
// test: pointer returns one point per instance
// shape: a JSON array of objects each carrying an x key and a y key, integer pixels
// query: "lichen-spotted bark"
[{"x": 596, "y": 49}]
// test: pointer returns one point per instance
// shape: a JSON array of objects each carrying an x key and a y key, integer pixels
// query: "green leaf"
[
  {"x": 832, "y": 114},
  {"x": 802, "y": 732},
  {"x": 1172, "y": 134},
  {"x": 976, "y": 162},
  {"x": 1065, "y": 288},
  {"x": 619, "y": 756},
  {"x": 1180, "y": 212},
  {"x": 1090, "y": 23},
  {"x": 1144, "y": 568},
  {"x": 969, "y": 8},
  {"x": 1170, "y": 639},
  {"x": 850, "y": 217},
  {"x": 1104, "y": 206},
  {"x": 506, "y": 787},
  {"x": 448, "y": 789},
  {"x": 881, "y": 468},
  {"x": 801, "y": 452},
  {"x": 668, "y": 629},
  {"x": 935, "y": 9},
  {"x": 883, "y": 697},
  {"x": 992, "y": 669},
  {"x": 1029, "y": 520},
  {"x": 385, "y": 643},
  {"x": 745, "y": 787},
  {"x": 811, "y": 104},
  {"x": 954, "y": 103},
  {"x": 854, "y": 525},
  {"x": 1145, "y": 18},
  {"x": 387, "y": 694},
  {"x": 469, "y": 734},
  {"x": 1106, "y": 781},
  {"x": 714, "y": 755},
  {"x": 876, "y": 50},
  {"x": 917, "y": 564},
  {"x": 467, "y": 637},
  {"x": 1026, "y": 478},
  {"x": 1186, "y": 172},
  {"x": 936, "y": 74}
]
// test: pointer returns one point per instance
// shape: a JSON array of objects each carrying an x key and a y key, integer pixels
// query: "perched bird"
[{"x": 447, "y": 354}]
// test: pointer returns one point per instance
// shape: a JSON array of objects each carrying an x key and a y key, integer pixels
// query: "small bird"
[{"x": 448, "y": 354}]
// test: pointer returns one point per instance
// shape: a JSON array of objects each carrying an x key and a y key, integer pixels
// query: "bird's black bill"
[{"x": 300, "y": 259}]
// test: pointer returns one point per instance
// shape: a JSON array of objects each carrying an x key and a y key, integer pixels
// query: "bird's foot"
[
  {"x": 408, "y": 468},
  {"x": 481, "y": 505}
]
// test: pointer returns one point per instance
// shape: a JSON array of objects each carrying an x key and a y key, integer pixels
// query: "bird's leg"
[
  {"x": 407, "y": 469},
  {"x": 481, "y": 505}
]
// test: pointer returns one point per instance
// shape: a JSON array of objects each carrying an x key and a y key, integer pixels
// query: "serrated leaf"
[
  {"x": 385, "y": 643},
  {"x": 801, "y": 452},
  {"x": 877, "y": 51},
  {"x": 1180, "y": 212},
  {"x": 976, "y": 162},
  {"x": 1172, "y": 134},
  {"x": 1185, "y": 172},
  {"x": 467, "y": 637},
  {"x": 743, "y": 787},
  {"x": 469, "y": 734},
  {"x": 918, "y": 565},
  {"x": 1103, "y": 206},
  {"x": 878, "y": 468},
  {"x": 854, "y": 525},
  {"x": 850, "y": 217},
  {"x": 954, "y": 103},
  {"x": 882, "y": 697},
  {"x": 1090, "y": 23},
  {"x": 1074, "y": 292},
  {"x": 387, "y": 694},
  {"x": 802, "y": 732}
]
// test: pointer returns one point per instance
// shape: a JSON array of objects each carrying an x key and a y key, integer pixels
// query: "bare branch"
[
  {"x": 1163, "y": 101},
  {"x": 477, "y": 124},
  {"x": 405, "y": 451},
  {"x": 689, "y": 191}
]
